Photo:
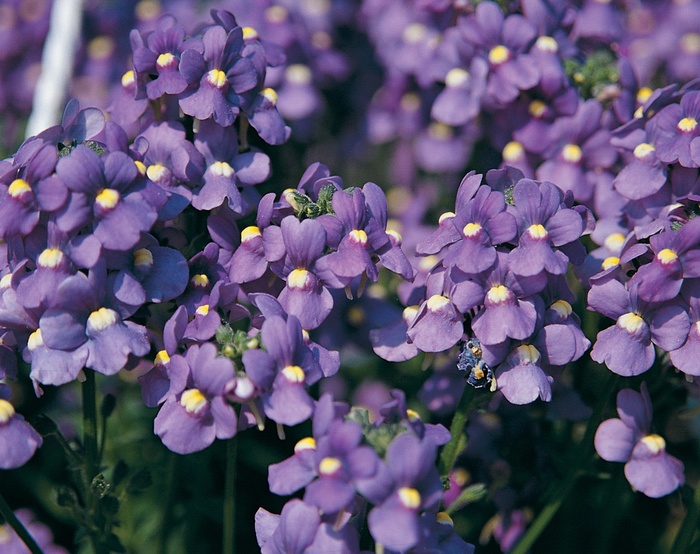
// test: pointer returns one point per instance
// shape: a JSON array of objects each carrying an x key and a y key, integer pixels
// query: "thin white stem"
[{"x": 56, "y": 65}]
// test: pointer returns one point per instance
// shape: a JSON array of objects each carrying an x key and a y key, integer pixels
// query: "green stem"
[
  {"x": 170, "y": 480},
  {"x": 452, "y": 449},
  {"x": 229, "y": 546},
  {"x": 90, "y": 427},
  {"x": 579, "y": 460},
  {"x": 690, "y": 525},
  {"x": 18, "y": 528},
  {"x": 89, "y": 390}
]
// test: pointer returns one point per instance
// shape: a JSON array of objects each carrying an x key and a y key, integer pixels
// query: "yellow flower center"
[
  {"x": 143, "y": 257},
  {"x": 298, "y": 279},
  {"x": 50, "y": 258},
  {"x": 140, "y": 167},
  {"x": 7, "y": 410},
  {"x": 156, "y": 172},
  {"x": 655, "y": 443},
  {"x": 528, "y": 354},
  {"x": 410, "y": 102},
  {"x": 358, "y": 236},
  {"x": 415, "y": 32},
  {"x": 690, "y": 43},
  {"x": 270, "y": 94},
  {"x": 164, "y": 60},
  {"x": 666, "y": 256},
  {"x": 537, "y": 231},
  {"x": 614, "y": 241},
  {"x": 437, "y": 302},
  {"x": 200, "y": 280},
  {"x": 249, "y": 233},
  {"x": 193, "y": 400},
  {"x": 217, "y": 78},
  {"x": 687, "y": 124},
  {"x": 276, "y": 14},
  {"x": 100, "y": 319},
  {"x": 572, "y": 153},
  {"x": 250, "y": 34},
  {"x": 445, "y": 216},
  {"x": 18, "y": 187},
  {"x": 161, "y": 358},
  {"x": 499, "y": 54},
  {"x": 128, "y": 79},
  {"x": 307, "y": 443},
  {"x": 513, "y": 151},
  {"x": 412, "y": 415},
  {"x": 35, "y": 340},
  {"x": 546, "y": 44},
  {"x": 409, "y": 314},
  {"x": 222, "y": 169},
  {"x": 562, "y": 308},
  {"x": 537, "y": 108},
  {"x": 443, "y": 518},
  {"x": 440, "y": 131},
  {"x": 329, "y": 466},
  {"x": 409, "y": 497},
  {"x": 298, "y": 74},
  {"x": 107, "y": 199},
  {"x": 471, "y": 229},
  {"x": 643, "y": 94},
  {"x": 630, "y": 322},
  {"x": 202, "y": 310},
  {"x": 294, "y": 374},
  {"x": 396, "y": 236},
  {"x": 609, "y": 262},
  {"x": 456, "y": 77},
  {"x": 642, "y": 150},
  {"x": 499, "y": 293}
]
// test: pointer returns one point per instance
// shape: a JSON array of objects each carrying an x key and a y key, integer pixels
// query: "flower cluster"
[{"x": 497, "y": 268}]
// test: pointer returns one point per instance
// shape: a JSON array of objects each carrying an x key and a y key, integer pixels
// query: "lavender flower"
[{"x": 648, "y": 467}]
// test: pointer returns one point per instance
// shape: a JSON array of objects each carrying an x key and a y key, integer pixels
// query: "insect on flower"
[{"x": 470, "y": 360}]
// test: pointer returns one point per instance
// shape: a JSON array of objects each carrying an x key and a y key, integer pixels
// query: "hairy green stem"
[
  {"x": 689, "y": 527},
  {"x": 18, "y": 528},
  {"x": 229, "y": 546},
  {"x": 91, "y": 462},
  {"x": 579, "y": 460},
  {"x": 459, "y": 421}
]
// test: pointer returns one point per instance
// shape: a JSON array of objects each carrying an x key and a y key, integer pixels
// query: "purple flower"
[
  {"x": 226, "y": 169},
  {"x": 79, "y": 316},
  {"x": 673, "y": 131},
  {"x": 648, "y": 467},
  {"x": 304, "y": 295},
  {"x": 192, "y": 419},
  {"x": 218, "y": 76},
  {"x": 543, "y": 224},
  {"x": 522, "y": 377},
  {"x": 504, "y": 42},
  {"x": 627, "y": 348},
  {"x": 686, "y": 357},
  {"x": 160, "y": 58},
  {"x": 283, "y": 371},
  {"x": 18, "y": 439},
  {"x": 413, "y": 485},
  {"x": 676, "y": 257},
  {"x": 106, "y": 194},
  {"x": 578, "y": 145},
  {"x": 300, "y": 528},
  {"x": 29, "y": 187}
]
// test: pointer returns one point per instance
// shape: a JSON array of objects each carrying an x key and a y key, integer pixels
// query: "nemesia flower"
[
  {"x": 627, "y": 348},
  {"x": 413, "y": 485},
  {"x": 648, "y": 467},
  {"x": 12, "y": 544},
  {"x": 18, "y": 439},
  {"x": 193, "y": 418}
]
